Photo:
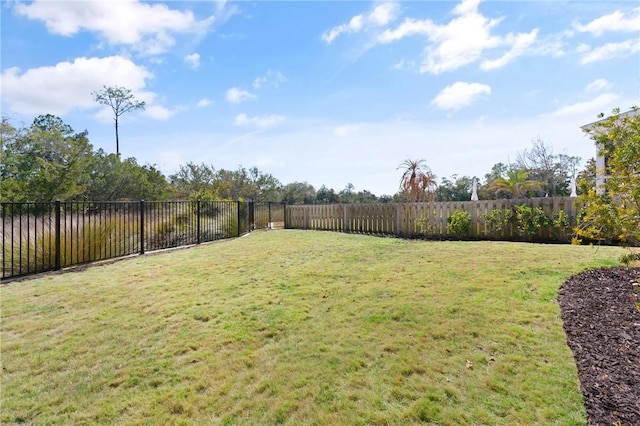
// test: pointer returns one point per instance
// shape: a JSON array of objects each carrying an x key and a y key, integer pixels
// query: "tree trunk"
[{"x": 117, "y": 141}]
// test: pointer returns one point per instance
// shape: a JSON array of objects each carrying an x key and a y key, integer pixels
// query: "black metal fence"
[{"x": 40, "y": 237}]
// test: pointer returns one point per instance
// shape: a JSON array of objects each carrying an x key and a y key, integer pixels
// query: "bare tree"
[
  {"x": 553, "y": 171},
  {"x": 121, "y": 100}
]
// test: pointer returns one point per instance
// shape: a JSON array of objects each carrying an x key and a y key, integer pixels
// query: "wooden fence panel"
[{"x": 430, "y": 219}]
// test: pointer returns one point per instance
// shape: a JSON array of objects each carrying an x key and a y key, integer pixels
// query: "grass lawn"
[{"x": 299, "y": 327}]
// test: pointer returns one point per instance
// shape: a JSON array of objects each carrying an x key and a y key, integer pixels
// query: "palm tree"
[
  {"x": 417, "y": 181},
  {"x": 516, "y": 183}
]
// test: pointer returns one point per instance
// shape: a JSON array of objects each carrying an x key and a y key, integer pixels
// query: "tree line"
[{"x": 48, "y": 160}]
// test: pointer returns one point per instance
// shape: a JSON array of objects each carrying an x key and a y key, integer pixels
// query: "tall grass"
[{"x": 89, "y": 235}]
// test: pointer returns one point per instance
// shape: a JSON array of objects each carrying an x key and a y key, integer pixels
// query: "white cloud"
[
  {"x": 204, "y": 102},
  {"x": 461, "y": 41},
  {"x": 615, "y": 21},
  {"x": 599, "y": 85},
  {"x": 66, "y": 86},
  {"x": 262, "y": 122},
  {"x": 381, "y": 15},
  {"x": 520, "y": 43},
  {"x": 193, "y": 60},
  {"x": 609, "y": 51},
  {"x": 236, "y": 95},
  {"x": 591, "y": 107},
  {"x": 148, "y": 27},
  {"x": 460, "y": 94},
  {"x": 346, "y": 130},
  {"x": 273, "y": 78},
  {"x": 158, "y": 112}
]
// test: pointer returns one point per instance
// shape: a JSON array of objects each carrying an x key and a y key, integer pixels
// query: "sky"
[{"x": 325, "y": 92}]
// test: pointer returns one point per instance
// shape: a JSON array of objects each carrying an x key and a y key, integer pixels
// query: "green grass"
[{"x": 299, "y": 327}]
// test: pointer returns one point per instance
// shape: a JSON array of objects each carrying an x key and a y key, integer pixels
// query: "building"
[{"x": 601, "y": 160}]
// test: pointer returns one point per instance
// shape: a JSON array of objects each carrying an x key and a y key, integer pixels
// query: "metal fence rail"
[{"x": 40, "y": 237}]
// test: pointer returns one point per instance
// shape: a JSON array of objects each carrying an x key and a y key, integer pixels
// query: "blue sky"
[{"x": 328, "y": 92}]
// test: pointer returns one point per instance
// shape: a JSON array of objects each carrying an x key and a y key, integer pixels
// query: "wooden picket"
[{"x": 405, "y": 219}]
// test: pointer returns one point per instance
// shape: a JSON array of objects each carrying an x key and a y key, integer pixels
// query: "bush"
[
  {"x": 427, "y": 224},
  {"x": 529, "y": 220},
  {"x": 498, "y": 220},
  {"x": 458, "y": 223},
  {"x": 561, "y": 224}
]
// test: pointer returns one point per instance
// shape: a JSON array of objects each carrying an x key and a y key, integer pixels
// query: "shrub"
[
  {"x": 458, "y": 223},
  {"x": 529, "y": 220},
  {"x": 498, "y": 220},
  {"x": 626, "y": 259},
  {"x": 561, "y": 224},
  {"x": 427, "y": 224}
]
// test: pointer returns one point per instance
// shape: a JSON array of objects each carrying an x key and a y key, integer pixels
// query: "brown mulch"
[{"x": 602, "y": 324}]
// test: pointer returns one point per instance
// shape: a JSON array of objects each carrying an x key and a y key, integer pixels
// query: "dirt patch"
[{"x": 602, "y": 324}]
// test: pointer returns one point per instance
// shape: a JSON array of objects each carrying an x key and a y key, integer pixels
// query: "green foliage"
[
  {"x": 498, "y": 220},
  {"x": 630, "y": 257},
  {"x": 113, "y": 179},
  {"x": 458, "y": 223},
  {"x": 516, "y": 184},
  {"x": 326, "y": 195},
  {"x": 615, "y": 215},
  {"x": 200, "y": 181},
  {"x": 298, "y": 193},
  {"x": 427, "y": 224},
  {"x": 44, "y": 162},
  {"x": 586, "y": 179},
  {"x": 49, "y": 161},
  {"x": 561, "y": 224},
  {"x": 455, "y": 189},
  {"x": 529, "y": 220}
]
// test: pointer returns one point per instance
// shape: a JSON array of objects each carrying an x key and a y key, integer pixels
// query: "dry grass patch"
[{"x": 299, "y": 327}]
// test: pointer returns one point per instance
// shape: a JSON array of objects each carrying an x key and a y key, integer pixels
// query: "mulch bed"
[{"x": 602, "y": 323}]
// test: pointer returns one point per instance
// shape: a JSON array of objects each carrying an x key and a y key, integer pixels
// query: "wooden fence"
[{"x": 409, "y": 219}]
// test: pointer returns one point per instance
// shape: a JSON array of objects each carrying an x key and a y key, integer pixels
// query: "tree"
[
  {"x": 44, "y": 162},
  {"x": 325, "y": 195},
  {"x": 112, "y": 179},
  {"x": 121, "y": 100},
  {"x": 298, "y": 193},
  {"x": 417, "y": 181},
  {"x": 553, "y": 171},
  {"x": 455, "y": 189},
  {"x": 615, "y": 215},
  {"x": 516, "y": 184},
  {"x": 347, "y": 195},
  {"x": 194, "y": 181},
  {"x": 586, "y": 179}
]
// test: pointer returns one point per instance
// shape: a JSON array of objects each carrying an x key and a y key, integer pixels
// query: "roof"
[{"x": 630, "y": 113}]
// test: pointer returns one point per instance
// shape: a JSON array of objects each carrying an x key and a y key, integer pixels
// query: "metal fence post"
[
  {"x": 141, "y": 226},
  {"x": 198, "y": 222},
  {"x": 238, "y": 204},
  {"x": 252, "y": 217},
  {"x": 57, "y": 237}
]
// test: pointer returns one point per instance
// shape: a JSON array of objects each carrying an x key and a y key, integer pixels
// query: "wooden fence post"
[{"x": 345, "y": 218}]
